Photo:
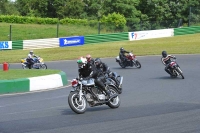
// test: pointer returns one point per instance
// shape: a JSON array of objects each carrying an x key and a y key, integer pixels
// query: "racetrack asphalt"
[{"x": 151, "y": 102}]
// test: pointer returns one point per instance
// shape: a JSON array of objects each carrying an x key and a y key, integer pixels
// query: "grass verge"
[
  {"x": 30, "y": 31},
  {"x": 25, "y": 73},
  {"x": 186, "y": 44}
]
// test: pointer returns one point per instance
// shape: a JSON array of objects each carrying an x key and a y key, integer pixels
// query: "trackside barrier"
[
  {"x": 41, "y": 43},
  {"x": 186, "y": 30},
  {"x": 106, "y": 37},
  {"x": 33, "y": 84},
  {"x": 148, "y": 34}
]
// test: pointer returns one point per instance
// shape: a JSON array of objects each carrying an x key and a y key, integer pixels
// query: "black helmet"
[
  {"x": 164, "y": 54},
  {"x": 97, "y": 61},
  {"x": 121, "y": 49}
]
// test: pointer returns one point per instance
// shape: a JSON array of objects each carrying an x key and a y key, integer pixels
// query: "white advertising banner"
[
  {"x": 6, "y": 45},
  {"x": 140, "y": 35}
]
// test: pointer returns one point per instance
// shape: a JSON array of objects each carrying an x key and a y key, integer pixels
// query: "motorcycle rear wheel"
[
  {"x": 122, "y": 65},
  {"x": 114, "y": 102},
  {"x": 77, "y": 106}
]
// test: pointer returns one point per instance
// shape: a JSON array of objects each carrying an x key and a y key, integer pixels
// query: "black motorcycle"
[
  {"x": 116, "y": 79},
  {"x": 85, "y": 92}
]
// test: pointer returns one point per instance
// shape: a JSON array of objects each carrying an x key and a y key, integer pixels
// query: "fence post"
[
  {"x": 189, "y": 19},
  {"x": 57, "y": 29},
  {"x": 10, "y": 34}
]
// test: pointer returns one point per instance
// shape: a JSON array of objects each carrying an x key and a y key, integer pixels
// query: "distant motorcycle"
[
  {"x": 85, "y": 92},
  {"x": 38, "y": 63},
  {"x": 131, "y": 61},
  {"x": 175, "y": 69}
]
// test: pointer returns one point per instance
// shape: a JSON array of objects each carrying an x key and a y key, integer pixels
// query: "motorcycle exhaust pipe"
[{"x": 120, "y": 84}]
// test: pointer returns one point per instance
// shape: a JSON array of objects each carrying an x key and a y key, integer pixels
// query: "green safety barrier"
[
  {"x": 17, "y": 44},
  {"x": 106, "y": 37},
  {"x": 186, "y": 30}
]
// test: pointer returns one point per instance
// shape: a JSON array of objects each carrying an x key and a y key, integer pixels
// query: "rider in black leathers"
[
  {"x": 103, "y": 68},
  {"x": 87, "y": 71},
  {"x": 166, "y": 60},
  {"x": 122, "y": 55}
]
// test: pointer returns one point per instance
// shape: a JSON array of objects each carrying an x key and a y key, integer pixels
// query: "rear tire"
[{"x": 122, "y": 65}]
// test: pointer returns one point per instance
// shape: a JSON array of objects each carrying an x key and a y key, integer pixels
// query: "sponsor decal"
[
  {"x": 139, "y": 35},
  {"x": 6, "y": 45},
  {"x": 71, "y": 41}
]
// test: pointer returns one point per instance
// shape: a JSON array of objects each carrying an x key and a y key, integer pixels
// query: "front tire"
[
  {"x": 137, "y": 64},
  {"x": 180, "y": 72},
  {"x": 43, "y": 66},
  {"x": 114, "y": 102},
  {"x": 78, "y": 106}
]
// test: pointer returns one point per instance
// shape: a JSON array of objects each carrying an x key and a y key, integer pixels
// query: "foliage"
[{"x": 116, "y": 20}]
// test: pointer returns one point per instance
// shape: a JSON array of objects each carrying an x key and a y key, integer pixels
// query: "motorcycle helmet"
[
  {"x": 88, "y": 57},
  {"x": 164, "y": 54},
  {"x": 31, "y": 52},
  {"x": 82, "y": 62},
  {"x": 121, "y": 49},
  {"x": 97, "y": 61}
]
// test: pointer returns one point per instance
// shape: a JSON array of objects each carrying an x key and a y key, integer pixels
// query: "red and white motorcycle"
[
  {"x": 131, "y": 61},
  {"x": 175, "y": 69}
]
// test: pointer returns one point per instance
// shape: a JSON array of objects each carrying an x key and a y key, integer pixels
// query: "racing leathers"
[
  {"x": 30, "y": 60},
  {"x": 103, "y": 68},
  {"x": 90, "y": 71},
  {"x": 122, "y": 55},
  {"x": 166, "y": 61}
]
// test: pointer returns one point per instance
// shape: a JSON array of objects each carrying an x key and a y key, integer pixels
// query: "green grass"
[
  {"x": 21, "y": 73},
  {"x": 36, "y": 31},
  {"x": 186, "y": 44}
]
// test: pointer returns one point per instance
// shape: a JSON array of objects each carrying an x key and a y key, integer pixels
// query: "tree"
[{"x": 8, "y": 8}]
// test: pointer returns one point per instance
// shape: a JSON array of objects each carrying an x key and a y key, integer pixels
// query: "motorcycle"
[
  {"x": 175, "y": 69},
  {"x": 38, "y": 63},
  {"x": 116, "y": 79},
  {"x": 131, "y": 61},
  {"x": 85, "y": 92}
]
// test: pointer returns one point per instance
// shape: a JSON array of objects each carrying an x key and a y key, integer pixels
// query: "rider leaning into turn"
[
  {"x": 103, "y": 68},
  {"x": 30, "y": 59},
  {"x": 122, "y": 55},
  {"x": 87, "y": 71},
  {"x": 166, "y": 60}
]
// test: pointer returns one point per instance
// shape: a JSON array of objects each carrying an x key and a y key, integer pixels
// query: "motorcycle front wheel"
[
  {"x": 79, "y": 106},
  {"x": 180, "y": 72},
  {"x": 137, "y": 64},
  {"x": 43, "y": 66},
  {"x": 114, "y": 102}
]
